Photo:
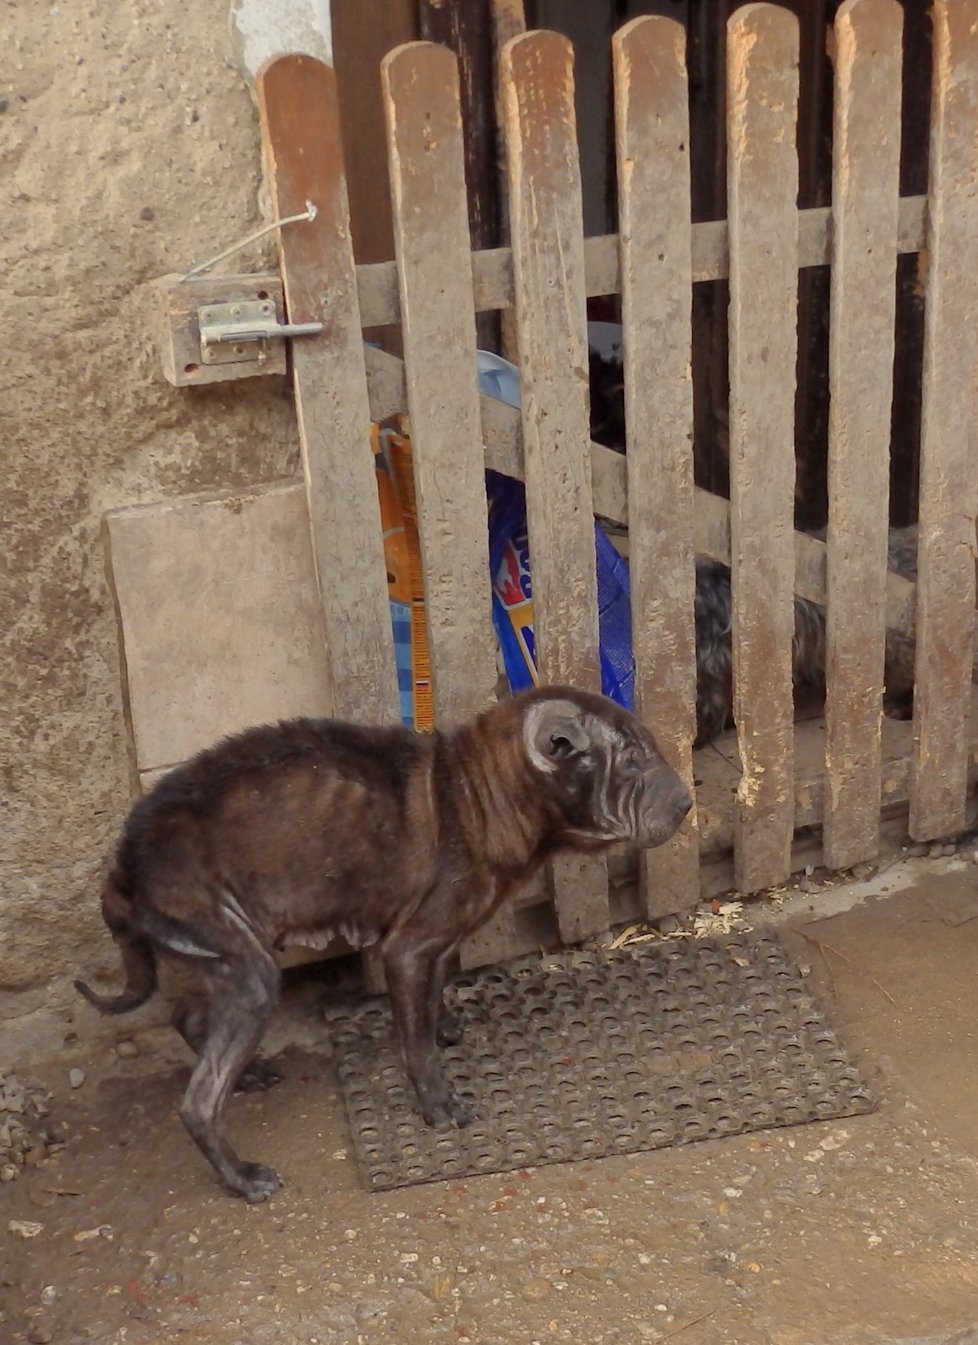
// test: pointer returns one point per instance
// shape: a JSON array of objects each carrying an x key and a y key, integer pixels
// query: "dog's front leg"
[{"x": 415, "y": 977}]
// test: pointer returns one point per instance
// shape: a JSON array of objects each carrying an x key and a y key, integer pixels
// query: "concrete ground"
[{"x": 861, "y": 1231}]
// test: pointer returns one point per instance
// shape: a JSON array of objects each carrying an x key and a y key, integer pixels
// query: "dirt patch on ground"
[{"x": 860, "y": 1231}]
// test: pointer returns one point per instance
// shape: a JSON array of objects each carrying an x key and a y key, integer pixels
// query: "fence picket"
[
  {"x": 304, "y": 163},
  {"x": 431, "y": 238},
  {"x": 865, "y": 191},
  {"x": 762, "y": 175},
  {"x": 948, "y": 447},
  {"x": 537, "y": 83},
  {"x": 652, "y": 123}
]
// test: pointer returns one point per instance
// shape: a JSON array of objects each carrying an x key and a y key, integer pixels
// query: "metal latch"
[{"x": 230, "y": 333}]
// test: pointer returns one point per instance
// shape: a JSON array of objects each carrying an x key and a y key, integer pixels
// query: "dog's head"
[{"x": 602, "y": 770}]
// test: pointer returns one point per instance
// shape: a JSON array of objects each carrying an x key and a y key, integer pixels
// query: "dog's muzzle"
[{"x": 667, "y": 810}]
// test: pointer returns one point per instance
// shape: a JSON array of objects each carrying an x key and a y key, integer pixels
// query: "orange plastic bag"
[{"x": 402, "y": 551}]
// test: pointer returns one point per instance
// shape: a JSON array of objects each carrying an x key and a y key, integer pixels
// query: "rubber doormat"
[{"x": 586, "y": 1054}]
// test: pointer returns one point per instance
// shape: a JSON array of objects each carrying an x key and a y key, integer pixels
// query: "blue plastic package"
[
  {"x": 512, "y": 596},
  {"x": 509, "y": 562}
]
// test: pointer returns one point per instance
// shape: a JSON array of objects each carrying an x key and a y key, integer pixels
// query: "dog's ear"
[{"x": 554, "y": 731}]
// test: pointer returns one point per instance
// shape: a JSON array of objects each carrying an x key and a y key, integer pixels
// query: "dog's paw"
[
  {"x": 449, "y": 1029},
  {"x": 257, "y": 1076},
  {"x": 450, "y": 1110},
  {"x": 256, "y": 1182}
]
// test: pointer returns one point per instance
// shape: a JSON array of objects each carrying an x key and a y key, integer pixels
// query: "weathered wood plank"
[
  {"x": 492, "y": 268},
  {"x": 762, "y": 178},
  {"x": 304, "y": 163},
  {"x": 431, "y": 238},
  {"x": 865, "y": 190},
  {"x": 301, "y": 139},
  {"x": 948, "y": 446},
  {"x": 543, "y": 176},
  {"x": 652, "y": 136}
]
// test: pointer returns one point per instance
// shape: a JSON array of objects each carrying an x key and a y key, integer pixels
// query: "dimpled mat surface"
[{"x": 578, "y": 1055}]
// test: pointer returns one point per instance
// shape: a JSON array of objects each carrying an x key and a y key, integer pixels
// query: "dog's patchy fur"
[{"x": 290, "y": 833}]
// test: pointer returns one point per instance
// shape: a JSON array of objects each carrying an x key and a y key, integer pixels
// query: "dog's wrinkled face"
[{"x": 604, "y": 770}]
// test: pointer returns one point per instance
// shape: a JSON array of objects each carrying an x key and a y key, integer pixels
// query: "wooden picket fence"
[{"x": 436, "y": 286}]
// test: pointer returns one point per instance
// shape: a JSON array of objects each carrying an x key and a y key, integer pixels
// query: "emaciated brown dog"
[{"x": 294, "y": 833}]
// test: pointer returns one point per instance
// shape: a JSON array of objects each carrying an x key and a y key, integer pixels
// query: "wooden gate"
[{"x": 752, "y": 800}]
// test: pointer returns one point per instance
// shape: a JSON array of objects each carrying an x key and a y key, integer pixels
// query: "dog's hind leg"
[
  {"x": 240, "y": 1004},
  {"x": 190, "y": 1018}
]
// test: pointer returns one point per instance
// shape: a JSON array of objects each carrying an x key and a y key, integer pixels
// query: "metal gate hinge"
[{"x": 230, "y": 332}]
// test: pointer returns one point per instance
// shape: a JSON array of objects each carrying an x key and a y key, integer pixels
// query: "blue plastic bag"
[
  {"x": 509, "y": 564},
  {"x": 512, "y": 596}
]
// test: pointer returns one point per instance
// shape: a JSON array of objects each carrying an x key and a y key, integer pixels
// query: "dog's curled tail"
[{"x": 138, "y": 957}]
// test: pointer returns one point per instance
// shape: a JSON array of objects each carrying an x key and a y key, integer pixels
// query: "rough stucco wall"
[{"x": 128, "y": 149}]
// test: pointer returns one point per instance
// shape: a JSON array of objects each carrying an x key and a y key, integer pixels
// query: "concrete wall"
[{"x": 128, "y": 149}]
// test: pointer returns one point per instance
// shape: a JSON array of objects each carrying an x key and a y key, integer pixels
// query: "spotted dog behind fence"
[
  {"x": 714, "y": 607},
  {"x": 714, "y": 642},
  {"x": 288, "y": 834}
]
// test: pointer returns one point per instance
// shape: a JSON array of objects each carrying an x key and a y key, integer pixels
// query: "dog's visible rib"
[{"x": 232, "y": 911}]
